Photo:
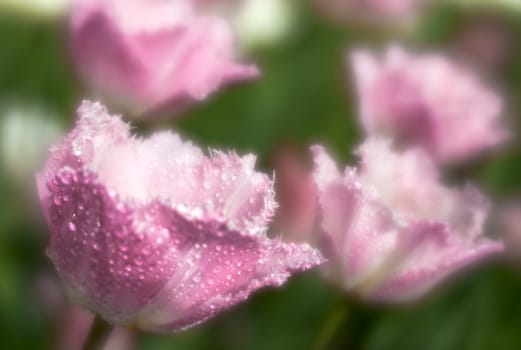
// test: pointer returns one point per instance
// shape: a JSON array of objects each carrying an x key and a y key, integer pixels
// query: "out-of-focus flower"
[
  {"x": 263, "y": 22},
  {"x": 26, "y": 131},
  {"x": 296, "y": 195},
  {"x": 39, "y": 8},
  {"x": 370, "y": 10},
  {"x": 121, "y": 339},
  {"x": 154, "y": 233},
  {"x": 72, "y": 328},
  {"x": 427, "y": 101},
  {"x": 488, "y": 42},
  {"x": 390, "y": 230},
  {"x": 150, "y": 54}
]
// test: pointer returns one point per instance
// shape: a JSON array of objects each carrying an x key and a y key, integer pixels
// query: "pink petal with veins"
[{"x": 433, "y": 262}]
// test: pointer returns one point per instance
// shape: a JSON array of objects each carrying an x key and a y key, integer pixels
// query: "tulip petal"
[
  {"x": 429, "y": 266},
  {"x": 218, "y": 268},
  {"x": 100, "y": 250}
]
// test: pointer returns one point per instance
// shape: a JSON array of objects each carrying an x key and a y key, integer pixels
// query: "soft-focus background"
[{"x": 304, "y": 96}]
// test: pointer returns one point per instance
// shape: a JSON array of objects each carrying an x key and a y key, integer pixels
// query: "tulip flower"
[
  {"x": 150, "y": 54},
  {"x": 390, "y": 230},
  {"x": 152, "y": 232},
  {"x": 427, "y": 101}
]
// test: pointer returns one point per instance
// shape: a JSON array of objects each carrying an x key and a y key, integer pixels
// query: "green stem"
[
  {"x": 98, "y": 334},
  {"x": 330, "y": 326}
]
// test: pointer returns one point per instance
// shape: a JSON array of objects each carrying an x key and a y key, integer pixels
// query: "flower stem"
[
  {"x": 330, "y": 326},
  {"x": 98, "y": 334}
]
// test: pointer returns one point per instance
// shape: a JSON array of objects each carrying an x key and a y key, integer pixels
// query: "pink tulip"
[
  {"x": 427, "y": 101},
  {"x": 153, "y": 233},
  {"x": 390, "y": 230},
  {"x": 151, "y": 54}
]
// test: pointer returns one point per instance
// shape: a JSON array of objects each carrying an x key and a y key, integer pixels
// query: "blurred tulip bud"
[
  {"x": 488, "y": 42},
  {"x": 296, "y": 195},
  {"x": 152, "y": 232},
  {"x": 390, "y": 230},
  {"x": 427, "y": 101},
  {"x": 73, "y": 328}
]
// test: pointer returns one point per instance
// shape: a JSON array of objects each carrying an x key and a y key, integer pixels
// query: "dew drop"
[{"x": 120, "y": 233}]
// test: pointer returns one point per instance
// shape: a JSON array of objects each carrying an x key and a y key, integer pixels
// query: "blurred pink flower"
[
  {"x": 488, "y": 42},
  {"x": 375, "y": 10},
  {"x": 151, "y": 54},
  {"x": 153, "y": 232},
  {"x": 390, "y": 230},
  {"x": 296, "y": 195},
  {"x": 72, "y": 329},
  {"x": 428, "y": 101}
]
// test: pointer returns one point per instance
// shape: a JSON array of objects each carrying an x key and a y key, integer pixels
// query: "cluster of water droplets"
[
  {"x": 107, "y": 264},
  {"x": 213, "y": 264},
  {"x": 219, "y": 269},
  {"x": 221, "y": 186}
]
